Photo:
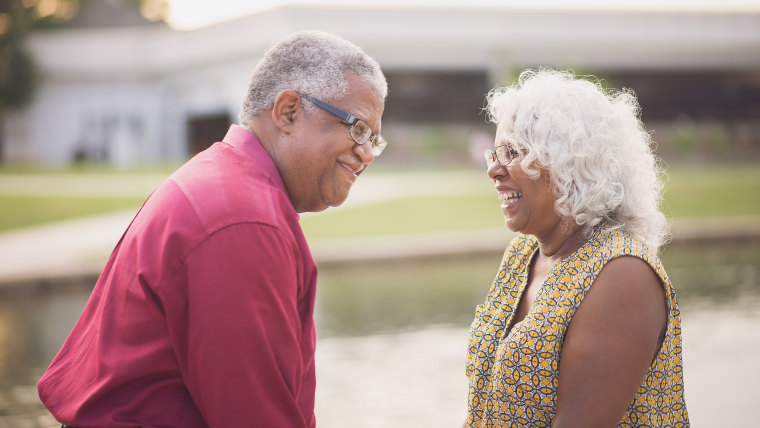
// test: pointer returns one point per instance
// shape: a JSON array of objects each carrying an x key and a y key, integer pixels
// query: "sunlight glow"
[{"x": 190, "y": 14}]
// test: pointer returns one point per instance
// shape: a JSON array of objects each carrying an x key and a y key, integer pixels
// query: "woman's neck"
[{"x": 560, "y": 242}]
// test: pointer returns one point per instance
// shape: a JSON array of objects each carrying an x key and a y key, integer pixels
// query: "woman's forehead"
[{"x": 505, "y": 136}]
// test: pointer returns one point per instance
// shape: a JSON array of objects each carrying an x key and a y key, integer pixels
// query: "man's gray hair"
[{"x": 309, "y": 62}]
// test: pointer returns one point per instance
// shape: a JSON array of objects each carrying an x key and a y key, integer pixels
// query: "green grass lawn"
[
  {"x": 21, "y": 211},
  {"x": 692, "y": 191},
  {"x": 31, "y": 197},
  {"x": 407, "y": 215},
  {"x": 714, "y": 190}
]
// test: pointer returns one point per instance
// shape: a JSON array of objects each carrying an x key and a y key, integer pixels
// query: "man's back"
[{"x": 214, "y": 244}]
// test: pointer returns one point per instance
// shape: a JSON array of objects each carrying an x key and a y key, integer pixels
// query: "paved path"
[{"x": 82, "y": 246}]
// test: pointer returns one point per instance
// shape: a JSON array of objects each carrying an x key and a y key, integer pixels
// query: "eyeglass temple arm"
[{"x": 348, "y": 117}]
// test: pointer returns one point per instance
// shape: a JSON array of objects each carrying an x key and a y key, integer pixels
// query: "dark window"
[
  {"x": 704, "y": 95},
  {"x": 203, "y": 131},
  {"x": 436, "y": 96}
]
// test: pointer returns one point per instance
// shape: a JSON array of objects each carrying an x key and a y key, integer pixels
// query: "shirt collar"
[{"x": 247, "y": 142}]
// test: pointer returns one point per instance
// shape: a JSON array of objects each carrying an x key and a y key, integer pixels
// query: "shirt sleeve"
[{"x": 234, "y": 323}]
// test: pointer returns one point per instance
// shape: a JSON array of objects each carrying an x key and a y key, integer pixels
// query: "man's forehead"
[{"x": 369, "y": 104}]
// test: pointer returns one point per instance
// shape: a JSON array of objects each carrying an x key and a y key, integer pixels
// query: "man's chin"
[
  {"x": 338, "y": 200},
  {"x": 335, "y": 204},
  {"x": 322, "y": 206}
]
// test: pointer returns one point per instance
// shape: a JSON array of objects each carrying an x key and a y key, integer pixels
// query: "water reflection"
[
  {"x": 357, "y": 300},
  {"x": 367, "y": 299},
  {"x": 720, "y": 272},
  {"x": 32, "y": 328},
  {"x": 401, "y": 295}
]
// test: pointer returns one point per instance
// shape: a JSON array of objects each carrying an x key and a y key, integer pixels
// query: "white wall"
[{"x": 131, "y": 90}]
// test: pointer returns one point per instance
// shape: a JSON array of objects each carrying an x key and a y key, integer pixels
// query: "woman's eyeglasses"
[{"x": 504, "y": 153}]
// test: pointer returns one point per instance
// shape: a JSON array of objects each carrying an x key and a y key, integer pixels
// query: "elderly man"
[{"x": 203, "y": 315}]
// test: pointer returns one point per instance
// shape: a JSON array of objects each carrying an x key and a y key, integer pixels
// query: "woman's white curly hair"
[
  {"x": 593, "y": 145},
  {"x": 310, "y": 62}
]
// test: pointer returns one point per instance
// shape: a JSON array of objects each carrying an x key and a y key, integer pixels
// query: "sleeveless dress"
[{"x": 513, "y": 377}]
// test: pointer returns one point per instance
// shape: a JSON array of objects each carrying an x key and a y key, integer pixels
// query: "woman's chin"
[{"x": 512, "y": 224}]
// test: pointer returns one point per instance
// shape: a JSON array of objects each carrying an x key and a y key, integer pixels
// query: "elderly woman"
[{"x": 581, "y": 326}]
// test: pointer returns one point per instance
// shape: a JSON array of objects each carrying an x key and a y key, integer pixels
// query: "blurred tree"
[{"x": 18, "y": 75}]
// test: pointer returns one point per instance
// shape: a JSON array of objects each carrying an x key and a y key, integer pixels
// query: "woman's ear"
[{"x": 285, "y": 110}]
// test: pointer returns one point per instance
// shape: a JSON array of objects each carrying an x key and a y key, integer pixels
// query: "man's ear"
[{"x": 285, "y": 110}]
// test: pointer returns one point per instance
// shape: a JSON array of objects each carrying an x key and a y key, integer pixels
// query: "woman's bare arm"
[{"x": 610, "y": 344}]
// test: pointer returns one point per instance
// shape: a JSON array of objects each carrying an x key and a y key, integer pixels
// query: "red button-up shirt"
[{"x": 203, "y": 315}]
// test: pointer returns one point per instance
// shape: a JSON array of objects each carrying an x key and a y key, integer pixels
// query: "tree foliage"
[{"x": 18, "y": 75}]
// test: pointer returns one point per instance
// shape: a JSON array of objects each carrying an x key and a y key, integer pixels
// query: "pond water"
[{"x": 384, "y": 305}]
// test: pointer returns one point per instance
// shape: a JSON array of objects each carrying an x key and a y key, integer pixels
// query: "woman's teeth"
[{"x": 510, "y": 197}]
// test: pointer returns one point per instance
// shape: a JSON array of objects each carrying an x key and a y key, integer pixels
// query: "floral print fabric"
[{"x": 513, "y": 376}]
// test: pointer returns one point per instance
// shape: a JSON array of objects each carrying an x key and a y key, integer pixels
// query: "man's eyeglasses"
[
  {"x": 504, "y": 154},
  {"x": 360, "y": 130}
]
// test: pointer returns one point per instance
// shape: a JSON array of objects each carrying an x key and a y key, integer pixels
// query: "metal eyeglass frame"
[
  {"x": 377, "y": 142},
  {"x": 493, "y": 156}
]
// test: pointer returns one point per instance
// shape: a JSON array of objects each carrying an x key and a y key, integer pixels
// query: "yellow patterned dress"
[{"x": 513, "y": 377}]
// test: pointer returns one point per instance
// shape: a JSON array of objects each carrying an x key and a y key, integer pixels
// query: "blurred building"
[{"x": 123, "y": 92}]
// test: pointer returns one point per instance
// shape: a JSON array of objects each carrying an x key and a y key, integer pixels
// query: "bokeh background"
[{"x": 101, "y": 99}]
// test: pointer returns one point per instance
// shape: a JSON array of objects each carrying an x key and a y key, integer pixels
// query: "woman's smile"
[{"x": 509, "y": 198}]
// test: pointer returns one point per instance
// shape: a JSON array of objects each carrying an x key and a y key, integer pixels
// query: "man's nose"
[{"x": 365, "y": 152}]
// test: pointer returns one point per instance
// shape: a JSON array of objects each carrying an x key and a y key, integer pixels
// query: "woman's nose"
[{"x": 496, "y": 170}]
